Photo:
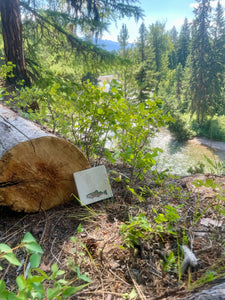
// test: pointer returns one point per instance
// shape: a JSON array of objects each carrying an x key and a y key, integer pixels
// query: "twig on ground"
[
  {"x": 139, "y": 291},
  {"x": 118, "y": 277}
]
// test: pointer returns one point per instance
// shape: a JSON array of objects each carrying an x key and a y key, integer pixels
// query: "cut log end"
[{"x": 38, "y": 174}]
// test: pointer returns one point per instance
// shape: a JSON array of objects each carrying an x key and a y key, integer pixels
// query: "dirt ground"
[{"x": 118, "y": 272}]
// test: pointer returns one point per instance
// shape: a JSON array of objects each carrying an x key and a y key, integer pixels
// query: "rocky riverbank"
[{"x": 217, "y": 145}]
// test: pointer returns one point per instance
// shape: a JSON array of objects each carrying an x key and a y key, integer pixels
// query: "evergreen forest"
[{"x": 59, "y": 53}]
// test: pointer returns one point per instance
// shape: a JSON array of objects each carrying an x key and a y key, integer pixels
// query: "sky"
[{"x": 172, "y": 11}]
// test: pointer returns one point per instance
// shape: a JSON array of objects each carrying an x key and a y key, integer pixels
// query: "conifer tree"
[
  {"x": 142, "y": 42},
  {"x": 91, "y": 14},
  {"x": 123, "y": 40},
  {"x": 145, "y": 74},
  {"x": 158, "y": 40},
  {"x": 183, "y": 43},
  {"x": 12, "y": 37},
  {"x": 125, "y": 73},
  {"x": 218, "y": 59},
  {"x": 172, "y": 56},
  {"x": 178, "y": 83},
  {"x": 201, "y": 77},
  {"x": 186, "y": 87}
]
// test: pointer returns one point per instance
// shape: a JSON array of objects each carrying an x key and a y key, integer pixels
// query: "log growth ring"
[{"x": 38, "y": 174}]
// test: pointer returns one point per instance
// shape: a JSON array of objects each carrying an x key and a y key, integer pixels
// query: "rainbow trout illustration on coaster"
[{"x": 96, "y": 194}]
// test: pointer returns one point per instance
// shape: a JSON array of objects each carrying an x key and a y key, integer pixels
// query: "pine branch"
[{"x": 77, "y": 43}]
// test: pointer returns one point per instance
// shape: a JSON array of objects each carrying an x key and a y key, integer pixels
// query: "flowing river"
[{"x": 179, "y": 156}]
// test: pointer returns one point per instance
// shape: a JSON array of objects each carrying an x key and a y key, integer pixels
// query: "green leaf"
[
  {"x": 42, "y": 273},
  {"x": 160, "y": 218},
  {"x": 52, "y": 293},
  {"x": 70, "y": 290},
  {"x": 100, "y": 111},
  {"x": 21, "y": 282},
  {"x": 113, "y": 90},
  {"x": 39, "y": 291},
  {"x": 11, "y": 257},
  {"x": 74, "y": 239},
  {"x": 30, "y": 243},
  {"x": 10, "y": 296},
  {"x": 154, "y": 210},
  {"x": 80, "y": 228},
  {"x": 35, "y": 260},
  {"x": 54, "y": 268},
  {"x": 62, "y": 282},
  {"x": 35, "y": 279},
  {"x": 171, "y": 257},
  {"x": 34, "y": 247},
  {"x": 60, "y": 272},
  {"x": 133, "y": 294},
  {"x": 28, "y": 238},
  {"x": 2, "y": 286},
  {"x": 4, "y": 248},
  {"x": 84, "y": 277}
]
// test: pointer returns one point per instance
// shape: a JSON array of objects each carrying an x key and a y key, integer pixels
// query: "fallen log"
[
  {"x": 214, "y": 293},
  {"x": 36, "y": 167}
]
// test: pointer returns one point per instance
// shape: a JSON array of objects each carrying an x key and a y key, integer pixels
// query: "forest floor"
[
  {"x": 153, "y": 268},
  {"x": 117, "y": 271}
]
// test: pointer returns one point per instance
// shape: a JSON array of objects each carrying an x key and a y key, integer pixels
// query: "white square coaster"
[{"x": 92, "y": 185}]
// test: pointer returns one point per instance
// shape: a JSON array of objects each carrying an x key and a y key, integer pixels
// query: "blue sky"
[{"x": 171, "y": 11}]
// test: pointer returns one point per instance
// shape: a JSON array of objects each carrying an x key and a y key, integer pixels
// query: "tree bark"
[
  {"x": 36, "y": 167},
  {"x": 13, "y": 41}
]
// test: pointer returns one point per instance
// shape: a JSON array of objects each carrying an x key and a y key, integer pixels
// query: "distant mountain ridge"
[{"x": 109, "y": 45}]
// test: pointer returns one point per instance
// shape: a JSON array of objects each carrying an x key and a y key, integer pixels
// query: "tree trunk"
[
  {"x": 36, "y": 167},
  {"x": 12, "y": 36}
]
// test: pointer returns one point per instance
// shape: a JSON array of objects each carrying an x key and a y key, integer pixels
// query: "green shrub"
[
  {"x": 91, "y": 117},
  {"x": 180, "y": 128},
  {"x": 214, "y": 129},
  {"x": 35, "y": 283}
]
